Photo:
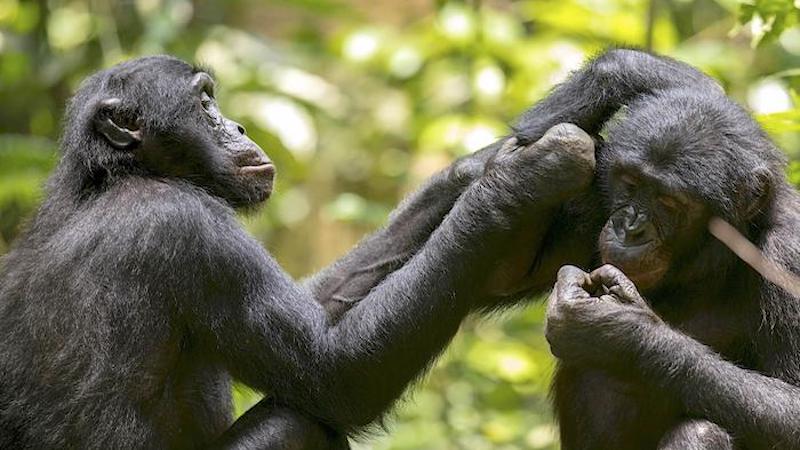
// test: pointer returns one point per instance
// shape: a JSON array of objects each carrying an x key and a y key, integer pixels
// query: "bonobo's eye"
[
  {"x": 628, "y": 181},
  {"x": 670, "y": 202}
]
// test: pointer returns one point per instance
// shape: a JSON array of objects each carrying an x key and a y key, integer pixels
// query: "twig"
[{"x": 750, "y": 254}]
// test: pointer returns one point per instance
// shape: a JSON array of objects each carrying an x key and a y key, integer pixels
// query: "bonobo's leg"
[
  {"x": 590, "y": 96},
  {"x": 267, "y": 426},
  {"x": 350, "y": 278},
  {"x": 697, "y": 434},
  {"x": 597, "y": 411}
]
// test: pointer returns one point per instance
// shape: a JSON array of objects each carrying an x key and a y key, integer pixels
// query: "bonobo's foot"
[{"x": 559, "y": 165}]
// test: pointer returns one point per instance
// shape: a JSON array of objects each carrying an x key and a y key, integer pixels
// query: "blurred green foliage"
[{"x": 357, "y": 101}]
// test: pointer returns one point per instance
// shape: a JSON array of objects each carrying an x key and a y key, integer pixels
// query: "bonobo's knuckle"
[
  {"x": 570, "y": 274},
  {"x": 611, "y": 271},
  {"x": 567, "y": 138},
  {"x": 571, "y": 151},
  {"x": 566, "y": 270}
]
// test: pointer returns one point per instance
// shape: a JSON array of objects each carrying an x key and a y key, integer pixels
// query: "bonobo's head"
[
  {"x": 157, "y": 116},
  {"x": 672, "y": 162}
]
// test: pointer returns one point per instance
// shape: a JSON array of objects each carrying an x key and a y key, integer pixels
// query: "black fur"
[
  {"x": 135, "y": 296},
  {"x": 712, "y": 359}
]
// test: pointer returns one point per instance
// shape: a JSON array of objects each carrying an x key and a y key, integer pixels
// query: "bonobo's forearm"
[
  {"x": 590, "y": 96},
  {"x": 422, "y": 305},
  {"x": 349, "y": 372},
  {"x": 410, "y": 225},
  {"x": 762, "y": 412}
]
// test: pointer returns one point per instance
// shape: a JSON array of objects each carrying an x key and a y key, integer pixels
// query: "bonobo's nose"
[{"x": 632, "y": 226}]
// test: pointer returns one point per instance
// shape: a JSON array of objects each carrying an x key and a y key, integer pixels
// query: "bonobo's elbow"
[{"x": 610, "y": 64}]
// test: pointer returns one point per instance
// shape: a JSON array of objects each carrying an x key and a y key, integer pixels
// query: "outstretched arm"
[
  {"x": 588, "y": 98},
  {"x": 618, "y": 329},
  {"x": 349, "y": 279},
  {"x": 273, "y": 335}
]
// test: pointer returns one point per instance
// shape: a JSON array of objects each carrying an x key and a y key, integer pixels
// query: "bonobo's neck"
[{"x": 72, "y": 183}]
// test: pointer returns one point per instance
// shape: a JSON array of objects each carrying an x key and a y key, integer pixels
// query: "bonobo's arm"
[
  {"x": 619, "y": 330},
  {"x": 274, "y": 336},
  {"x": 590, "y": 96},
  {"x": 349, "y": 279}
]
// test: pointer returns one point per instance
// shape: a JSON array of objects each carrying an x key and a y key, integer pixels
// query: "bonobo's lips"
[
  {"x": 267, "y": 169},
  {"x": 256, "y": 165}
]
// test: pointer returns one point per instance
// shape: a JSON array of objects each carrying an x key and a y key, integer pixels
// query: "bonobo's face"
[
  {"x": 649, "y": 224},
  {"x": 209, "y": 149},
  {"x": 166, "y": 119},
  {"x": 662, "y": 173}
]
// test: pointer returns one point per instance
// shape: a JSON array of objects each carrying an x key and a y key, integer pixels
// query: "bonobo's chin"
[
  {"x": 253, "y": 203},
  {"x": 255, "y": 184},
  {"x": 645, "y": 272}
]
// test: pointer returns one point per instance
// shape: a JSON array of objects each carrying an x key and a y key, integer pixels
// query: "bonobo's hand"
[
  {"x": 597, "y": 319},
  {"x": 525, "y": 184},
  {"x": 548, "y": 171}
]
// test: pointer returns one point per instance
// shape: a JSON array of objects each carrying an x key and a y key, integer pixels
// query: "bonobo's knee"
[
  {"x": 267, "y": 426},
  {"x": 696, "y": 434}
]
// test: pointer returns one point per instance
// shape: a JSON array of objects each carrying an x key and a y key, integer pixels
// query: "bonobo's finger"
[
  {"x": 509, "y": 146},
  {"x": 469, "y": 168},
  {"x": 568, "y": 138},
  {"x": 609, "y": 298},
  {"x": 616, "y": 282},
  {"x": 572, "y": 283}
]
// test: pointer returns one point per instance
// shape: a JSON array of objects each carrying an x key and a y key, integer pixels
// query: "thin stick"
[{"x": 750, "y": 254}]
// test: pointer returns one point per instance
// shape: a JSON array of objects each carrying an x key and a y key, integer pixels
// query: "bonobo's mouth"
[
  {"x": 256, "y": 164},
  {"x": 266, "y": 169},
  {"x": 257, "y": 174}
]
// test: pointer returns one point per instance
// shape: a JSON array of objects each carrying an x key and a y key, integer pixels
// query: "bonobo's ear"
[
  {"x": 107, "y": 122},
  {"x": 760, "y": 193},
  {"x": 202, "y": 82}
]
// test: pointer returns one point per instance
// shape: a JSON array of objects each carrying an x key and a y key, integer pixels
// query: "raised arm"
[
  {"x": 278, "y": 339},
  {"x": 590, "y": 96}
]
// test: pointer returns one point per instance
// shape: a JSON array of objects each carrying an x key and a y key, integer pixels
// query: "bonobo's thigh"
[
  {"x": 598, "y": 411},
  {"x": 267, "y": 426},
  {"x": 697, "y": 434}
]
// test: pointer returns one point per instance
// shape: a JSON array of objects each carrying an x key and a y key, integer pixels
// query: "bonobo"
[
  {"x": 711, "y": 358},
  {"x": 135, "y": 296}
]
